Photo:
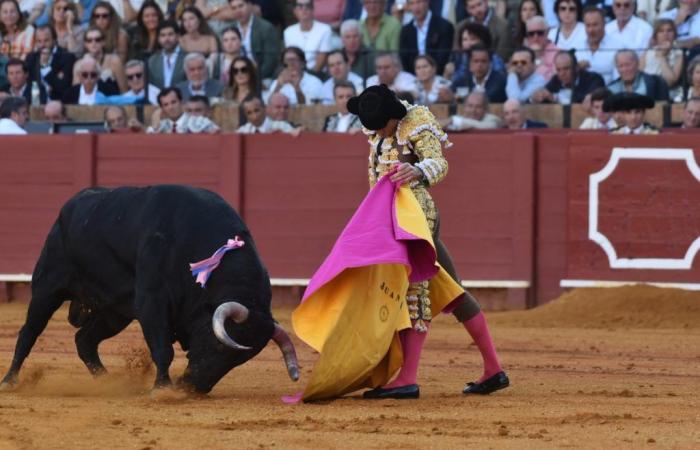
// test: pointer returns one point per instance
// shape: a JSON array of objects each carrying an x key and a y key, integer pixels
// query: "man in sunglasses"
[
  {"x": 545, "y": 50},
  {"x": 523, "y": 81},
  {"x": 91, "y": 89},
  {"x": 634, "y": 32},
  {"x": 136, "y": 80}
]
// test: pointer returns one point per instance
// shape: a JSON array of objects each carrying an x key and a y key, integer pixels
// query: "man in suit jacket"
[
  {"x": 91, "y": 89},
  {"x": 501, "y": 38},
  {"x": 166, "y": 67},
  {"x": 198, "y": 81},
  {"x": 634, "y": 80},
  {"x": 514, "y": 119},
  {"x": 50, "y": 65},
  {"x": 481, "y": 77},
  {"x": 427, "y": 33},
  {"x": 265, "y": 43},
  {"x": 19, "y": 84},
  {"x": 570, "y": 84}
]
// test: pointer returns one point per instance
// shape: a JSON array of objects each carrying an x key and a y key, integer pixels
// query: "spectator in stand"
[
  {"x": 64, "y": 18},
  {"x": 278, "y": 108},
  {"x": 482, "y": 77},
  {"x": 311, "y": 36},
  {"x": 598, "y": 53},
  {"x": 686, "y": 18},
  {"x": 627, "y": 28},
  {"x": 112, "y": 74},
  {"x": 165, "y": 67},
  {"x": 691, "y": 113},
  {"x": 569, "y": 84},
  {"x": 219, "y": 64},
  {"x": 599, "y": 118},
  {"x": 217, "y": 13},
  {"x": 389, "y": 72},
  {"x": 526, "y": 10},
  {"x": 476, "y": 115},
  {"x": 544, "y": 49},
  {"x": 339, "y": 70},
  {"x": 126, "y": 10},
  {"x": 198, "y": 81},
  {"x": 260, "y": 38},
  {"x": 14, "y": 115},
  {"x": 90, "y": 87},
  {"x": 633, "y": 107},
  {"x": 426, "y": 34},
  {"x": 258, "y": 122},
  {"x": 514, "y": 119},
  {"x": 20, "y": 86},
  {"x": 32, "y": 9},
  {"x": 693, "y": 80},
  {"x": 244, "y": 81},
  {"x": 198, "y": 106},
  {"x": 106, "y": 19},
  {"x": 136, "y": 79},
  {"x": 143, "y": 36},
  {"x": 662, "y": 58},
  {"x": 330, "y": 12},
  {"x": 55, "y": 111},
  {"x": 571, "y": 33},
  {"x": 360, "y": 57},
  {"x": 178, "y": 121},
  {"x": 17, "y": 35},
  {"x": 473, "y": 34},
  {"x": 634, "y": 80},
  {"x": 523, "y": 81},
  {"x": 299, "y": 86},
  {"x": 430, "y": 87},
  {"x": 649, "y": 10},
  {"x": 480, "y": 12},
  {"x": 196, "y": 34},
  {"x": 343, "y": 121},
  {"x": 50, "y": 64},
  {"x": 116, "y": 121},
  {"x": 380, "y": 31}
]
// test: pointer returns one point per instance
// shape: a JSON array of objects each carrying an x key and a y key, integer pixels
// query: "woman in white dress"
[
  {"x": 662, "y": 59},
  {"x": 571, "y": 33}
]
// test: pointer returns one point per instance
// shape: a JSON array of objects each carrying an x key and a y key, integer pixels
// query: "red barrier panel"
[
  {"x": 37, "y": 175},
  {"x": 634, "y": 209}
]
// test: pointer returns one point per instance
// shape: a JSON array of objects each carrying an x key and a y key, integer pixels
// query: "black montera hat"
[
  {"x": 376, "y": 106},
  {"x": 626, "y": 101}
]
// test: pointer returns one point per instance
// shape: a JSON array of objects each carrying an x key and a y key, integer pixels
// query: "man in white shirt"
[
  {"x": 136, "y": 80},
  {"x": 687, "y": 20},
  {"x": 178, "y": 121},
  {"x": 258, "y": 122},
  {"x": 343, "y": 121},
  {"x": 634, "y": 32},
  {"x": 599, "y": 53},
  {"x": 310, "y": 35},
  {"x": 300, "y": 87},
  {"x": 339, "y": 70},
  {"x": 13, "y": 116},
  {"x": 278, "y": 108},
  {"x": 476, "y": 115},
  {"x": 389, "y": 72}
]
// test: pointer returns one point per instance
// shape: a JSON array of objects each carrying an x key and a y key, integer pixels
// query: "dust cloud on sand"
[{"x": 592, "y": 369}]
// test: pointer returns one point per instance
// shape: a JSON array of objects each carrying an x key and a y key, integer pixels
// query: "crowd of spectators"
[{"x": 253, "y": 53}]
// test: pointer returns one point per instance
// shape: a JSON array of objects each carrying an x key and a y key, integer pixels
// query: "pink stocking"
[
  {"x": 479, "y": 331},
  {"x": 412, "y": 344}
]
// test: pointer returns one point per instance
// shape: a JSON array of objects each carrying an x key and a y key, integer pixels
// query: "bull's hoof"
[{"x": 6, "y": 386}]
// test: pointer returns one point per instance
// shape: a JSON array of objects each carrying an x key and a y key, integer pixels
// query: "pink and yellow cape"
[{"x": 354, "y": 306}]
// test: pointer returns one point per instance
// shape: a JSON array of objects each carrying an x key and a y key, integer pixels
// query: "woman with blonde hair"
[
  {"x": 661, "y": 58},
  {"x": 16, "y": 34},
  {"x": 106, "y": 19},
  {"x": 64, "y": 17}
]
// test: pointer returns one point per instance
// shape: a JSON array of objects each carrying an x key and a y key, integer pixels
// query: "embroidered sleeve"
[
  {"x": 371, "y": 172},
  {"x": 431, "y": 161}
]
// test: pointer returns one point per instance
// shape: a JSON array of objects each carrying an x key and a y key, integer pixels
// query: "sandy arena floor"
[{"x": 596, "y": 371}]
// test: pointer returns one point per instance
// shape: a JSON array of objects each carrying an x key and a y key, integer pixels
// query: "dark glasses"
[
  {"x": 303, "y": 5},
  {"x": 135, "y": 76},
  {"x": 564, "y": 8},
  {"x": 535, "y": 33},
  {"x": 101, "y": 16},
  {"x": 237, "y": 70},
  {"x": 91, "y": 40},
  {"x": 90, "y": 75}
]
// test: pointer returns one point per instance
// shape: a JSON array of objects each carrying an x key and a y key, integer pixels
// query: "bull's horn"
[
  {"x": 285, "y": 344},
  {"x": 236, "y": 312}
]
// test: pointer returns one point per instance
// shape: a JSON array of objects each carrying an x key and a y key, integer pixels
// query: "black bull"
[{"x": 124, "y": 254}]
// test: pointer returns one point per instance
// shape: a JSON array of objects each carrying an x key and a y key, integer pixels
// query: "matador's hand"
[{"x": 406, "y": 173}]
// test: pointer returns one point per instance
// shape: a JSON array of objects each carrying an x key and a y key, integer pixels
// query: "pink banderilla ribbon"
[{"x": 203, "y": 269}]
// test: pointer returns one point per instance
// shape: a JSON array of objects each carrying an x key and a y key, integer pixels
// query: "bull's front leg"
[{"x": 157, "y": 334}]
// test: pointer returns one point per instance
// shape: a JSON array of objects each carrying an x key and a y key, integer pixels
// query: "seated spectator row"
[{"x": 554, "y": 51}]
